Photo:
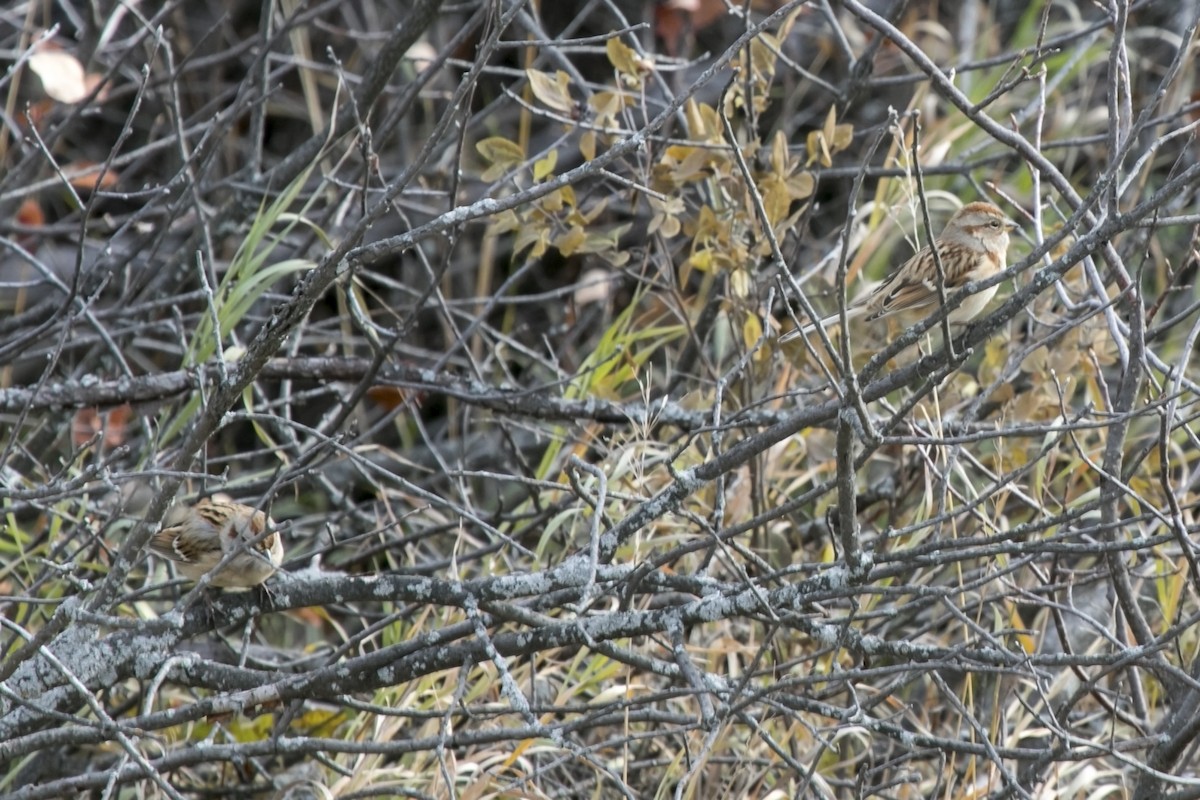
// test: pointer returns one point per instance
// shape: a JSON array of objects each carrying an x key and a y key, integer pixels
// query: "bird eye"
[{"x": 995, "y": 223}]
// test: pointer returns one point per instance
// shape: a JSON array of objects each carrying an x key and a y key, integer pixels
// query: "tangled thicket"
[{"x": 481, "y": 302}]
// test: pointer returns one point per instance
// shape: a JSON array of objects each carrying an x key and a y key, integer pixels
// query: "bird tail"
[{"x": 833, "y": 319}]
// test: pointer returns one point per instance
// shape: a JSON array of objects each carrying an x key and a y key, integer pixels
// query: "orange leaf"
[
  {"x": 30, "y": 214},
  {"x": 392, "y": 397},
  {"x": 112, "y": 425},
  {"x": 85, "y": 176}
]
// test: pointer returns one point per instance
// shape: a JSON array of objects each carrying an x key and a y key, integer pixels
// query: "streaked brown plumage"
[
  {"x": 201, "y": 535},
  {"x": 972, "y": 247}
]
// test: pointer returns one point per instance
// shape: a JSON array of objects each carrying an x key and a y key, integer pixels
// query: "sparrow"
[
  {"x": 972, "y": 247},
  {"x": 201, "y": 535}
]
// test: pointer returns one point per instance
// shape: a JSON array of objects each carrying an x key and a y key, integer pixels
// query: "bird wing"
[
  {"x": 903, "y": 297},
  {"x": 166, "y": 544},
  {"x": 899, "y": 292}
]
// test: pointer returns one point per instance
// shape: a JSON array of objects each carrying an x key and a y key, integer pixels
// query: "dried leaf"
[
  {"x": 544, "y": 167},
  {"x": 830, "y": 123},
  {"x": 701, "y": 260},
  {"x": 843, "y": 135},
  {"x": 532, "y": 236},
  {"x": 603, "y": 241},
  {"x": 557, "y": 200},
  {"x": 818, "y": 150},
  {"x": 740, "y": 283},
  {"x": 802, "y": 185},
  {"x": 780, "y": 156},
  {"x": 502, "y": 155},
  {"x": 392, "y": 397},
  {"x": 703, "y": 122},
  {"x": 554, "y": 92},
  {"x": 776, "y": 198},
  {"x": 625, "y": 59},
  {"x": 666, "y": 216},
  {"x": 30, "y": 214},
  {"x": 608, "y": 104},
  {"x": 112, "y": 424},
  {"x": 693, "y": 166},
  {"x": 595, "y": 285},
  {"x": 830, "y": 139},
  {"x": 498, "y": 150},
  {"x": 570, "y": 242},
  {"x": 751, "y": 329},
  {"x": 63, "y": 78},
  {"x": 85, "y": 176}
]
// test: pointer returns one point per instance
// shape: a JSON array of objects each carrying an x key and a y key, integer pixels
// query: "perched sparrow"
[
  {"x": 204, "y": 533},
  {"x": 972, "y": 247}
]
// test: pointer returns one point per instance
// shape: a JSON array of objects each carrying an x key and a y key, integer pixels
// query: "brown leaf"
[
  {"x": 30, "y": 214},
  {"x": 553, "y": 91},
  {"x": 111, "y": 425},
  {"x": 86, "y": 176},
  {"x": 392, "y": 397}
]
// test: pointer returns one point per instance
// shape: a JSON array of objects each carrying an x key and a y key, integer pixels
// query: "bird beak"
[{"x": 1012, "y": 226}]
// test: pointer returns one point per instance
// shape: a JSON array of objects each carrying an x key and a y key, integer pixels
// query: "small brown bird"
[
  {"x": 973, "y": 247},
  {"x": 205, "y": 532}
]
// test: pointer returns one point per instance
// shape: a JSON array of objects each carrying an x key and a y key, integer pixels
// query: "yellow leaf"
[
  {"x": 1035, "y": 362},
  {"x": 665, "y": 219},
  {"x": 701, "y": 260},
  {"x": 830, "y": 139},
  {"x": 623, "y": 57},
  {"x": 594, "y": 211},
  {"x": 829, "y": 553},
  {"x": 534, "y": 236},
  {"x": 587, "y": 145},
  {"x": 569, "y": 243},
  {"x": 740, "y": 283},
  {"x": 552, "y": 202},
  {"x": 801, "y": 185},
  {"x": 693, "y": 167},
  {"x": 691, "y": 112},
  {"x": 616, "y": 259},
  {"x": 498, "y": 150},
  {"x": 786, "y": 27},
  {"x": 544, "y": 167},
  {"x": 599, "y": 242},
  {"x": 762, "y": 55},
  {"x": 504, "y": 222},
  {"x": 607, "y": 104},
  {"x": 818, "y": 149},
  {"x": 842, "y": 136},
  {"x": 776, "y": 198},
  {"x": 763, "y": 249},
  {"x": 830, "y": 123},
  {"x": 703, "y": 122},
  {"x": 678, "y": 152},
  {"x": 780, "y": 157},
  {"x": 733, "y": 102},
  {"x": 501, "y": 154},
  {"x": 708, "y": 227},
  {"x": 751, "y": 330},
  {"x": 553, "y": 92}
]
